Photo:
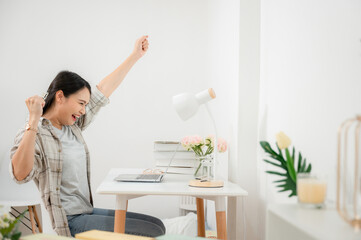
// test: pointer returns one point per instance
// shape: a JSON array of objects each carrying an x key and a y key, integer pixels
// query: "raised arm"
[
  {"x": 113, "y": 80},
  {"x": 23, "y": 159}
]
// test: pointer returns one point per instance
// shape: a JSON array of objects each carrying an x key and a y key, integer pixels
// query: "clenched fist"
[
  {"x": 35, "y": 106},
  {"x": 141, "y": 46}
]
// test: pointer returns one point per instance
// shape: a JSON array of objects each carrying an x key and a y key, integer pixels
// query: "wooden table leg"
[
  {"x": 200, "y": 217},
  {"x": 221, "y": 225},
  {"x": 221, "y": 218},
  {"x": 31, "y": 216},
  {"x": 119, "y": 221},
  {"x": 120, "y": 214},
  {"x": 37, "y": 220}
]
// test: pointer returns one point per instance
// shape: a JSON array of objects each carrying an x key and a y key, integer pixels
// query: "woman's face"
[{"x": 72, "y": 107}]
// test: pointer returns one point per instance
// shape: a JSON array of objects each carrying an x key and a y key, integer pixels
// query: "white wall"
[
  {"x": 188, "y": 52},
  {"x": 310, "y": 80},
  {"x": 312, "y": 72},
  {"x": 245, "y": 170},
  {"x": 224, "y": 62}
]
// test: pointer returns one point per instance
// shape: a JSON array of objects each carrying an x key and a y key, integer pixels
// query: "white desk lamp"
[{"x": 186, "y": 105}]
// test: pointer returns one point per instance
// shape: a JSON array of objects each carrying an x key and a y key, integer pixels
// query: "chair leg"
[
  {"x": 200, "y": 217},
  {"x": 31, "y": 216},
  {"x": 37, "y": 220}
]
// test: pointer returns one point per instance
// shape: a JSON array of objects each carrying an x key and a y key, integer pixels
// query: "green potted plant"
[{"x": 283, "y": 159}]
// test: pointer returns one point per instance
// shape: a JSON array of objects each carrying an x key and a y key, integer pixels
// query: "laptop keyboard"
[{"x": 148, "y": 176}]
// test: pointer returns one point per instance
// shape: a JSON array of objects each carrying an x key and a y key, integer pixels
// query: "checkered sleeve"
[
  {"x": 97, "y": 100},
  {"x": 34, "y": 173}
]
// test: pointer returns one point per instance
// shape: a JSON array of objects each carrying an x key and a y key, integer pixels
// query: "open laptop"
[{"x": 146, "y": 177}]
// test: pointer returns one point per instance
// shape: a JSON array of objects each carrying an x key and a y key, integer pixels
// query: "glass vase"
[{"x": 204, "y": 170}]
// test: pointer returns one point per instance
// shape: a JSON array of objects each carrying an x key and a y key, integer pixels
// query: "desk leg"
[
  {"x": 120, "y": 213},
  {"x": 220, "y": 203},
  {"x": 200, "y": 217},
  {"x": 232, "y": 221}
]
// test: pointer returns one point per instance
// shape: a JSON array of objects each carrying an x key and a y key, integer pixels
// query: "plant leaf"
[
  {"x": 290, "y": 166},
  {"x": 303, "y": 166},
  {"x": 299, "y": 162},
  {"x": 267, "y": 147},
  {"x": 284, "y": 185},
  {"x": 16, "y": 236},
  {"x": 282, "y": 180},
  {"x": 280, "y": 152},
  {"x": 280, "y": 159},
  {"x": 284, "y": 190},
  {"x": 287, "y": 182},
  {"x": 309, "y": 168},
  {"x": 277, "y": 173},
  {"x": 292, "y": 194},
  {"x": 274, "y": 164},
  {"x": 290, "y": 186},
  {"x": 272, "y": 154}
]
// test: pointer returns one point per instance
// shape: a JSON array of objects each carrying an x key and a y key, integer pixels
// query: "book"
[
  {"x": 179, "y": 237},
  {"x": 40, "y": 236},
  {"x": 177, "y": 155},
  {"x": 176, "y": 163},
  {"x": 168, "y": 146},
  {"x": 103, "y": 235}
]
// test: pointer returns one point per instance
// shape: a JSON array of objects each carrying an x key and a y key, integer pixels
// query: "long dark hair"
[{"x": 68, "y": 82}]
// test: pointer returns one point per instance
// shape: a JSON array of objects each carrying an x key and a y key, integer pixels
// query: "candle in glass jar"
[{"x": 311, "y": 190}]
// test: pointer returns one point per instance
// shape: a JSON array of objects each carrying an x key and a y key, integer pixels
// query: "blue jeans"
[{"x": 103, "y": 219}]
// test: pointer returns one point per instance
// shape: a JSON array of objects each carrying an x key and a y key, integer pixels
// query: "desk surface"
[{"x": 171, "y": 185}]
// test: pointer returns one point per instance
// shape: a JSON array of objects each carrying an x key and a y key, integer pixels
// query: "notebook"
[{"x": 146, "y": 177}]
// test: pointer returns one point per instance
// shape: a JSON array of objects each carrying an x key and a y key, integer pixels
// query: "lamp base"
[{"x": 207, "y": 184}]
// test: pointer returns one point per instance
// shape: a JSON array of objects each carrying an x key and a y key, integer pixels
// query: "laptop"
[{"x": 146, "y": 177}]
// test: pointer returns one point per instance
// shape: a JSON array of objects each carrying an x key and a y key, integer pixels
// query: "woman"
[{"x": 52, "y": 152}]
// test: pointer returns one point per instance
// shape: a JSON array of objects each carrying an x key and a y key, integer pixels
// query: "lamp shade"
[{"x": 187, "y": 104}]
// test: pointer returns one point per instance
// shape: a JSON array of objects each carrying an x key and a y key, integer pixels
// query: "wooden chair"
[{"x": 18, "y": 195}]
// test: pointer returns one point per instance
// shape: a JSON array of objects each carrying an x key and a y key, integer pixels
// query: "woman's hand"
[
  {"x": 35, "y": 106},
  {"x": 111, "y": 82},
  {"x": 141, "y": 46}
]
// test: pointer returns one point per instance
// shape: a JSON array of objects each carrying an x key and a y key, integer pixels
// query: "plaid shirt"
[{"x": 48, "y": 162}]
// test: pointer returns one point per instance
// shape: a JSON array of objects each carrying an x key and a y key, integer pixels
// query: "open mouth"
[{"x": 74, "y": 117}]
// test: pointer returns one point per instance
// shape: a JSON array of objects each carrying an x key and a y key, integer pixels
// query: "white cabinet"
[{"x": 291, "y": 221}]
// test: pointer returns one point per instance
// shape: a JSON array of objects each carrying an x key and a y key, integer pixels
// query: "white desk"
[
  {"x": 291, "y": 221},
  {"x": 125, "y": 191}
]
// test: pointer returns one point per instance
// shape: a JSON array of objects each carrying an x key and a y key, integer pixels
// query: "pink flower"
[
  {"x": 222, "y": 145},
  {"x": 196, "y": 140},
  {"x": 203, "y": 147},
  {"x": 189, "y": 142},
  {"x": 186, "y": 143}
]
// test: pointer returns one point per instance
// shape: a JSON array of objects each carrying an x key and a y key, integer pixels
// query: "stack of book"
[{"x": 184, "y": 162}]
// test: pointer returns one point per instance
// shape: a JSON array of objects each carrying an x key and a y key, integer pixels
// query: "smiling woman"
[
  {"x": 67, "y": 97},
  {"x": 52, "y": 152}
]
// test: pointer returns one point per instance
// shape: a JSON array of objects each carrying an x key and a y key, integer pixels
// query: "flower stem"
[{"x": 199, "y": 166}]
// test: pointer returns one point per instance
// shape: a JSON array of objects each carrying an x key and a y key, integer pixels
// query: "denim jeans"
[{"x": 103, "y": 219}]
